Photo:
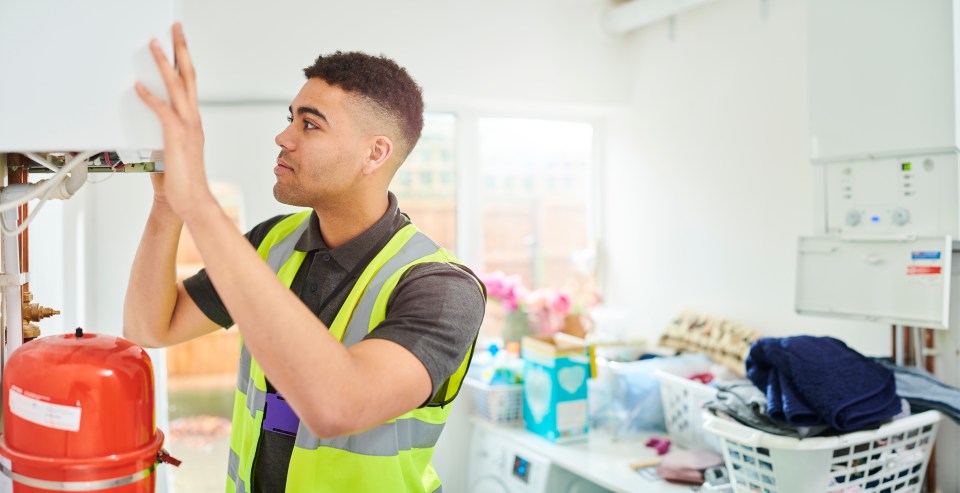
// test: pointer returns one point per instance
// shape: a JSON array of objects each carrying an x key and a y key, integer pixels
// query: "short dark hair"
[{"x": 379, "y": 80}]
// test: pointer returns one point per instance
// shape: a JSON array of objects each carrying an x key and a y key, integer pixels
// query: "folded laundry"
[
  {"x": 745, "y": 403},
  {"x": 811, "y": 381},
  {"x": 923, "y": 391}
]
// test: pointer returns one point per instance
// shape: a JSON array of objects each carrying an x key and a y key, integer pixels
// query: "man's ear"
[{"x": 381, "y": 148}]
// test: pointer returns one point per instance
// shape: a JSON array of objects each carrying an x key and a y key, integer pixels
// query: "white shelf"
[{"x": 599, "y": 459}]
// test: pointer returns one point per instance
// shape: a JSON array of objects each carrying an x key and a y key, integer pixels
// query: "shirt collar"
[{"x": 354, "y": 251}]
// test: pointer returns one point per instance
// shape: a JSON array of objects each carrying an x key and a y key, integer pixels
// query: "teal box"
[{"x": 555, "y": 389}]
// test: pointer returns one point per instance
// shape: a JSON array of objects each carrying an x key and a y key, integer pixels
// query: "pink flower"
[
  {"x": 503, "y": 288},
  {"x": 560, "y": 303},
  {"x": 535, "y": 301},
  {"x": 495, "y": 283}
]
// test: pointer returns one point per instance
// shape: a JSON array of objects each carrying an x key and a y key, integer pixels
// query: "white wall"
[
  {"x": 535, "y": 50},
  {"x": 708, "y": 182}
]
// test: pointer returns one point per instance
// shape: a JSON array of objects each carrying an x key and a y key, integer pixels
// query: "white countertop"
[{"x": 599, "y": 459}]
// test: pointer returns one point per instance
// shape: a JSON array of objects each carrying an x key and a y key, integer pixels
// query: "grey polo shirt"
[{"x": 434, "y": 312}]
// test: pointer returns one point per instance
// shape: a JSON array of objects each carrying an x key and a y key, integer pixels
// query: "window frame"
[{"x": 468, "y": 181}]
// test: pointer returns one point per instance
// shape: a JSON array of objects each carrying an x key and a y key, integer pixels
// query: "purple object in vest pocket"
[{"x": 279, "y": 416}]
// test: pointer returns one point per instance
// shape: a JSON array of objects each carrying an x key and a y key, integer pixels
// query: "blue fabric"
[
  {"x": 812, "y": 381},
  {"x": 923, "y": 391}
]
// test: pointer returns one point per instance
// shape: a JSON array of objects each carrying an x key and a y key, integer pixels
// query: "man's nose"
[{"x": 284, "y": 139}]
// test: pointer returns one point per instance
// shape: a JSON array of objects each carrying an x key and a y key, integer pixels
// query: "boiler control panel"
[{"x": 915, "y": 195}]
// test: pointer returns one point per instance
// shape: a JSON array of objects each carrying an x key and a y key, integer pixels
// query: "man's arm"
[
  {"x": 333, "y": 389},
  {"x": 157, "y": 311}
]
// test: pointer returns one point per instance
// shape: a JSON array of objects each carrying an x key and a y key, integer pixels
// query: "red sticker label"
[{"x": 923, "y": 270}]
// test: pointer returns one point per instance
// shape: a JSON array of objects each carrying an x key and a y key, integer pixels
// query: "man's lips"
[{"x": 282, "y": 168}]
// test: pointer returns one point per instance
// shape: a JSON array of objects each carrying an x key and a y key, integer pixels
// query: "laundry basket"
[
  {"x": 683, "y": 401},
  {"x": 499, "y": 404},
  {"x": 890, "y": 459}
]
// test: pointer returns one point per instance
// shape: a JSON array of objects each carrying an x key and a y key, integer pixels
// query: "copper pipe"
[
  {"x": 21, "y": 175},
  {"x": 929, "y": 342},
  {"x": 910, "y": 354}
]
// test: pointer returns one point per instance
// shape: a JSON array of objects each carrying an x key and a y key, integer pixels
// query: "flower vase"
[{"x": 516, "y": 326}]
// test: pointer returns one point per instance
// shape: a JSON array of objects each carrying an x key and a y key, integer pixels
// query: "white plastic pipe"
[
  {"x": 73, "y": 182},
  {"x": 67, "y": 186},
  {"x": 639, "y": 13},
  {"x": 55, "y": 184},
  {"x": 12, "y": 316}
]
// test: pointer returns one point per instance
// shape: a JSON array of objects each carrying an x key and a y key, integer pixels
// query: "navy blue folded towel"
[{"x": 812, "y": 381}]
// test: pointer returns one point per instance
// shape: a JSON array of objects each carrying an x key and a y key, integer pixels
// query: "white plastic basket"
[
  {"x": 500, "y": 404},
  {"x": 683, "y": 401},
  {"x": 890, "y": 459}
]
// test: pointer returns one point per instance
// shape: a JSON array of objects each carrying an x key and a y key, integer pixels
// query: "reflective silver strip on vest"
[
  {"x": 233, "y": 471},
  {"x": 278, "y": 255},
  {"x": 385, "y": 440},
  {"x": 243, "y": 373},
  {"x": 283, "y": 249},
  {"x": 256, "y": 399},
  {"x": 418, "y": 246},
  {"x": 101, "y": 484}
]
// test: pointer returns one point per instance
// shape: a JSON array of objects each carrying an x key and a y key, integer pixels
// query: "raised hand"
[{"x": 184, "y": 188}]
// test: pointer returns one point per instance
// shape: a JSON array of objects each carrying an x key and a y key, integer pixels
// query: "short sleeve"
[
  {"x": 435, "y": 313},
  {"x": 201, "y": 289}
]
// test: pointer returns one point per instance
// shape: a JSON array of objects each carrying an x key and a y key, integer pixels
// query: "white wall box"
[
  {"x": 904, "y": 280},
  {"x": 69, "y": 70},
  {"x": 882, "y": 77}
]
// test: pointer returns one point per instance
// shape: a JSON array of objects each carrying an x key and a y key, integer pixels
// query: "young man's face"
[{"x": 323, "y": 149}]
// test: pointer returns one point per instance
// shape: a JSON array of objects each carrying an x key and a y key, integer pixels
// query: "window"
[
  {"x": 425, "y": 184},
  {"x": 536, "y": 200},
  {"x": 534, "y": 189},
  {"x": 202, "y": 379},
  {"x": 523, "y": 203}
]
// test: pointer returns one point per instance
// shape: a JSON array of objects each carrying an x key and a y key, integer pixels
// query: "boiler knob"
[
  {"x": 853, "y": 218},
  {"x": 900, "y": 216}
]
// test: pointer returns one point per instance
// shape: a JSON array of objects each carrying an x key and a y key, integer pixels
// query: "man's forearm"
[{"x": 152, "y": 290}]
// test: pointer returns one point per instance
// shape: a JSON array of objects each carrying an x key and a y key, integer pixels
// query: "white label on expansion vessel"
[{"x": 38, "y": 409}]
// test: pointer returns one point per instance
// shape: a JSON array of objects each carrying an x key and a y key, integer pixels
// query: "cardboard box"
[{"x": 555, "y": 373}]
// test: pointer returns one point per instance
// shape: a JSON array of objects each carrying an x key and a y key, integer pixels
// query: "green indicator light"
[{"x": 906, "y": 166}]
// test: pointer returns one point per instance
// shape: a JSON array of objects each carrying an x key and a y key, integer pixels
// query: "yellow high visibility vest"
[{"x": 392, "y": 457}]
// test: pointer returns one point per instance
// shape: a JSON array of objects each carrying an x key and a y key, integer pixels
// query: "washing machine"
[{"x": 498, "y": 465}]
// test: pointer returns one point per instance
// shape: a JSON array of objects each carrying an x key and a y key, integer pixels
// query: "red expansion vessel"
[{"x": 78, "y": 415}]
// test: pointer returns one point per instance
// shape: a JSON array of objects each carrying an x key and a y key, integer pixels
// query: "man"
[{"x": 356, "y": 328}]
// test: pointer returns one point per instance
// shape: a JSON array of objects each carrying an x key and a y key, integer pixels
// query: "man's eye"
[
  {"x": 308, "y": 125},
  {"x": 289, "y": 119}
]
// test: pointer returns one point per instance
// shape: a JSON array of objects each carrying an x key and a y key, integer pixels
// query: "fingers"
[
  {"x": 160, "y": 107},
  {"x": 175, "y": 86},
  {"x": 184, "y": 63}
]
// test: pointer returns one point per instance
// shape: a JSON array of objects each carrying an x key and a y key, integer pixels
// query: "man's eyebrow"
[{"x": 311, "y": 110}]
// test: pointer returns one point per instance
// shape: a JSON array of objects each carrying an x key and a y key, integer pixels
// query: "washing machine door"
[{"x": 489, "y": 485}]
